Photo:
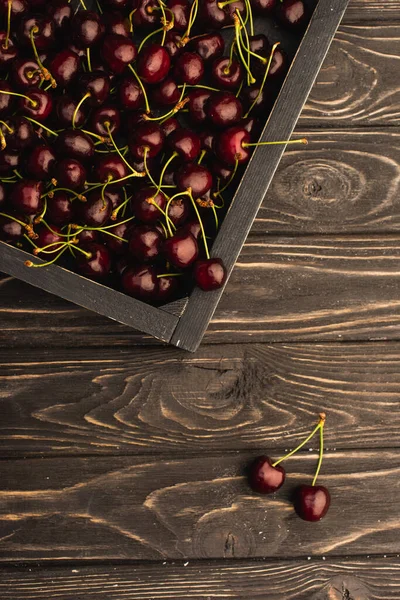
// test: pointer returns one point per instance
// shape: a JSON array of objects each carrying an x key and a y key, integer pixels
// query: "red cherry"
[
  {"x": 130, "y": 94},
  {"x": 263, "y": 7},
  {"x": 194, "y": 177},
  {"x": 95, "y": 212},
  {"x": 185, "y": 143},
  {"x": 145, "y": 243},
  {"x": 87, "y": 28},
  {"x": 144, "y": 205},
  {"x": 153, "y": 64},
  {"x": 65, "y": 110},
  {"x": 224, "y": 109},
  {"x": 59, "y": 208},
  {"x": 210, "y": 274},
  {"x": 37, "y": 105},
  {"x": 181, "y": 12},
  {"x": 264, "y": 478},
  {"x": 229, "y": 146},
  {"x": 189, "y": 68},
  {"x": 208, "y": 46},
  {"x": 181, "y": 250},
  {"x": 25, "y": 197},
  {"x": 226, "y": 74},
  {"x": 146, "y": 135},
  {"x": 292, "y": 14},
  {"x": 41, "y": 162},
  {"x": 96, "y": 266},
  {"x": 64, "y": 67},
  {"x": 25, "y": 73},
  {"x": 197, "y": 105},
  {"x": 11, "y": 231},
  {"x": 167, "y": 93},
  {"x": 311, "y": 503},
  {"x": 7, "y": 52},
  {"x": 118, "y": 52},
  {"x": 70, "y": 174},
  {"x": 141, "y": 282}
]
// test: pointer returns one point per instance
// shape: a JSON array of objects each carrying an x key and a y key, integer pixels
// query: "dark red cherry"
[
  {"x": 39, "y": 105},
  {"x": 23, "y": 135},
  {"x": 87, "y": 236},
  {"x": 41, "y": 162},
  {"x": 292, "y": 14},
  {"x": 258, "y": 99},
  {"x": 179, "y": 211},
  {"x": 75, "y": 144},
  {"x": 117, "y": 246},
  {"x": 207, "y": 140},
  {"x": 25, "y": 73},
  {"x": 116, "y": 23},
  {"x": 153, "y": 64},
  {"x": 211, "y": 15},
  {"x": 95, "y": 83},
  {"x": 60, "y": 11},
  {"x": 221, "y": 171},
  {"x": 115, "y": 196},
  {"x": 3, "y": 194},
  {"x": 186, "y": 143},
  {"x": 229, "y": 146},
  {"x": 146, "y": 135},
  {"x": 224, "y": 109},
  {"x": 70, "y": 174},
  {"x": 105, "y": 119},
  {"x": 209, "y": 46},
  {"x": 166, "y": 94},
  {"x": 65, "y": 109},
  {"x": 6, "y": 101},
  {"x": 25, "y": 197},
  {"x": 264, "y": 478},
  {"x": 197, "y": 105},
  {"x": 130, "y": 94},
  {"x": 147, "y": 13},
  {"x": 192, "y": 227},
  {"x": 311, "y": 503},
  {"x": 64, "y": 67},
  {"x": 181, "y": 12},
  {"x": 252, "y": 126},
  {"x": 227, "y": 75},
  {"x": 87, "y": 28},
  {"x": 95, "y": 212},
  {"x": 169, "y": 126},
  {"x": 263, "y": 7},
  {"x": 48, "y": 236},
  {"x": 8, "y": 162},
  {"x": 168, "y": 287},
  {"x": 59, "y": 208},
  {"x": 232, "y": 8},
  {"x": 43, "y": 32},
  {"x": 145, "y": 243},
  {"x": 110, "y": 167},
  {"x": 144, "y": 205},
  {"x": 141, "y": 282},
  {"x": 210, "y": 274},
  {"x": 195, "y": 177},
  {"x": 181, "y": 250},
  {"x": 96, "y": 266},
  {"x": 118, "y": 52},
  {"x": 173, "y": 44},
  {"x": 18, "y": 8},
  {"x": 189, "y": 68},
  {"x": 11, "y": 231},
  {"x": 8, "y": 51},
  {"x": 279, "y": 64}
]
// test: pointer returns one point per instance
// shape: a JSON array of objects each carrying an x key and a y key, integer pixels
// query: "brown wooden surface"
[{"x": 122, "y": 472}]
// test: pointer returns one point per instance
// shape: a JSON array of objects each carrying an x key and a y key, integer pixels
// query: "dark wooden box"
[{"x": 184, "y": 322}]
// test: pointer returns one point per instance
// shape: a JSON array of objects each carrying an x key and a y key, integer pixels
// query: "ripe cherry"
[
  {"x": 96, "y": 211},
  {"x": 8, "y": 51},
  {"x": 147, "y": 139},
  {"x": 40, "y": 28},
  {"x": 209, "y": 46},
  {"x": 10, "y": 230},
  {"x": 197, "y": 105},
  {"x": 145, "y": 243},
  {"x": 97, "y": 264},
  {"x": 170, "y": 126},
  {"x": 7, "y": 101},
  {"x": 60, "y": 11},
  {"x": 70, "y": 174},
  {"x": 292, "y": 14},
  {"x": 87, "y": 28},
  {"x": 8, "y": 162},
  {"x": 38, "y": 104},
  {"x": 75, "y": 144},
  {"x": 181, "y": 250},
  {"x": 118, "y": 52},
  {"x": 110, "y": 167},
  {"x": 211, "y": 15},
  {"x": 25, "y": 197},
  {"x": 153, "y": 64},
  {"x": 179, "y": 211},
  {"x": 116, "y": 23},
  {"x": 195, "y": 177},
  {"x": 117, "y": 246},
  {"x": 48, "y": 236},
  {"x": 224, "y": 109},
  {"x": 311, "y": 503},
  {"x": 65, "y": 110},
  {"x": 185, "y": 143},
  {"x": 146, "y": 14},
  {"x": 173, "y": 44},
  {"x": 25, "y": 73},
  {"x": 229, "y": 146},
  {"x": 59, "y": 208},
  {"x": 141, "y": 282},
  {"x": 264, "y": 7},
  {"x": 105, "y": 119},
  {"x": 64, "y": 67},
  {"x": 22, "y": 135},
  {"x": 144, "y": 205},
  {"x": 130, "y": 94},
  {"x": 181, "y": 12},
  {"x": 95, "y": 86},
  {"x": 189, "y": 68},
  {"x": 167, "y": 288},
  {"x": 41, "y": 162},
  {"x": 227, "y": 74},
  {"x": 264, "y": 478},
  {"x": 166, "y": 94}
]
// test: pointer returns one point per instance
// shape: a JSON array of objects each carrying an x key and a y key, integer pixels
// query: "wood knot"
[{"x": 343, "y": 587}]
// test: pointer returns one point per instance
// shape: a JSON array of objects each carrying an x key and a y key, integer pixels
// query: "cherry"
[
  {"x": 147, "y": 13},
  {"x": 3, "y": 194},
  {"x": 8, "y": 51},
  {"x": 117, "y": 246},
  {"x": 197, "y": 178},
  {"x": 87, "y": 236},
  {"x": 141, "y": 282},
  {"x": 153, "y": 64},
  {"x": 115, "y": 195},
  {"x": 167, "y": 93},
  {"x": 130, "y": 94},
  {"x": 224, "y": 109},
  {"x": 147, "y": 139},
  {"x": 110, "y": 167},
  {"x": 18, "y": 8},
  {"x": 66, "y": 108},
  {"x": 252, "y": 126},
  {"x": 118, "y": 52},
  {"x": 229, "y": 146},
  {"x": 96, "y": 211},
  {"x": 47, "y": 236},
  {"x": 38, "y": 104},
  {"x": 232, "y": 8},
  {"x": 59, "y": 208},
  {"x": 257, "y": 98},
  {"x": 144, "y": 204},
  {"x": 213, "y": 16},
  {"x": 8, "y": 162},
  {"x": 181, "y": 12},
  {"x": 197, "y": 105},
  {"x": 221, "y": 171},
  {"x": 22, "y": 136},
  {"x": 192, "y": 227},
  {"x": 178, "y": 211},
  {"x": 311, "y": 503},
  {"x": 278, "y": 66},
  {"x": 71, "y": 174},
  {"x": 263, "y": 477},
  {"x": 170, "y": 126},
  {"x": 263, "y": 7},
  {"x": 292, "y": 14},
  {"x": 97, "y": 264},
  {"x": 207, "y": 140},
  {"x": 40, "y": 28},
  {"x": 64, "y": 67},
  {"x": 181, "y": 250},
  {"x": 60, "y": 12},
  {"x": 25, "y": 197},
  {"x": 95, "y": 85},
  {"x": 116, "y": 23},
  {"x": 167, "y": 288},
  {"x": 227, "y": 74},
  {"x": 41, "y": 162},
  {"x": 87, "y": 28},
  {"x": 106, "y": 119},
  {"x": 185, "y": 143},
  {"x": 172, "y": 44},
  {"x": 25, "y": 73},
  {"x": 145, "y": 243},
  {"x": 10, "y": 230},
  {"x": 209, "y": 46},
  {"x": 75, "y": 144},
  {"x": 189, "y": 68}
]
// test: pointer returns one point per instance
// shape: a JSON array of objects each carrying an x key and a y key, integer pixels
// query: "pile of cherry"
[{"x": 121, "y": 129}]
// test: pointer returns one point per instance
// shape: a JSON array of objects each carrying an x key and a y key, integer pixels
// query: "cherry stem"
[
  {"x": 3, "y": 143},
  {"x": 101, "y": 139},
  {"x": 246, "y": 46},
  {"x": 169, "y": 275},
  {"x": 203, "y": 233},
  {"x": 271, "y": 56},
  {"x": 146, "y": 100},
  {"x": 85, "y": 97},
  {"x": 149, "y": 175},
  {"x": 215, "y": 215},
  {"x": 321, "y": 452},
  {"x": 239, "y": 43},
  {"x": 165, "y": 167},
  {"x": 130, "y": 19},
  {"x": 99, "y": 7},
  {"x": 231, "y": 178},
  {"x": 250, "y": 16},
  {"x": 86, "y": 228},
  {"x": 42, "y": 126},
  {"x": 110, "y": 135},
  {"x": 192, "y": 18},
  {"x": 39, "y": 219},
  {"x": 7, "y": 40},
  {"x": 321, "y": 423},
  {"x": 142, "y": 43},
  {"x": 24, "y": 225},
  {"x": 29, "y": 263},
  {"x": 202, "y": 155},
  {"x": 287, "y": 142},
  {"x": 89, "y": 61},
  {"x": 33, "y": 102},
  {"x": 83, "y": 4},
  {"x": 47, "y": 76},
  {"x": 203, "y": 87},
  {"x": 115, "y": 212},
  {"x": 179, "y": 194}
]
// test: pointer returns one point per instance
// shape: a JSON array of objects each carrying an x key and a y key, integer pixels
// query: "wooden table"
[{"x": 123, "y": 460}]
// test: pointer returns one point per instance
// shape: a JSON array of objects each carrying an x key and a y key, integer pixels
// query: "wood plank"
[
  {"x": 372, "y": 10},
  {"x": 282, "y": 289},
  {"x": 344, "y": 182},
  {"x": 201, "y": 508},
  {"x": 358, "y": 83},
  {"x": 363, "y": 579},
  {"x": 223, "y": 398}
]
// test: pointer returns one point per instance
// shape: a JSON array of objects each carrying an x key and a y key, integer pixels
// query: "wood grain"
[
  {"x": 229, "y": 398},
  {"x": 358, "y": 83},
  {"x": 141, "y": 509},
  {"x": 344, "y": 182},
  {"x": 315, "y": 579},
  {"x": 372, "y": 10}
]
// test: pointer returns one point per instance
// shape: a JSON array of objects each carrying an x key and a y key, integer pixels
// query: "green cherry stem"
[
  {"x": 85, "y": 97},
  {"x": 169, "y": 275},
  {"x": 287, "y": 142},
  {"x": 99, "y": 7},
  {"x": 321, "y": 448},
  {"x": 33, "y": 102},
  {"x": 29, "y": 263},
  {"x": 146, "y": 100},
  {"x": 146, "y": 168},
  {"x": 115, "y": 212},
  {"x": 122, "y": 157},
  {"x": 231, "y": 178},
  {"x": 249, "y": 16},
  {"x": 202, "y": 155},
  {"x": 192, "y": 18},
  {"x": 7, "y": 40},
  {"x": 47, "y": 76},
  {"x": 89, "y": 61},
  {"x": 179, "y": 194},
  {"x": 245, "y": 46},
  {"x": 142, "y": 43},
  {"x": 271, "y": 56},
  {"x": 321, "y": 423},
  {"x": 83, "y": 4},
  {"x": 203, "y": 233},
  {"x": 240, "y": 43},
  {"x": 165, "y": 167},
  {"x": 41, "y": 126}
]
